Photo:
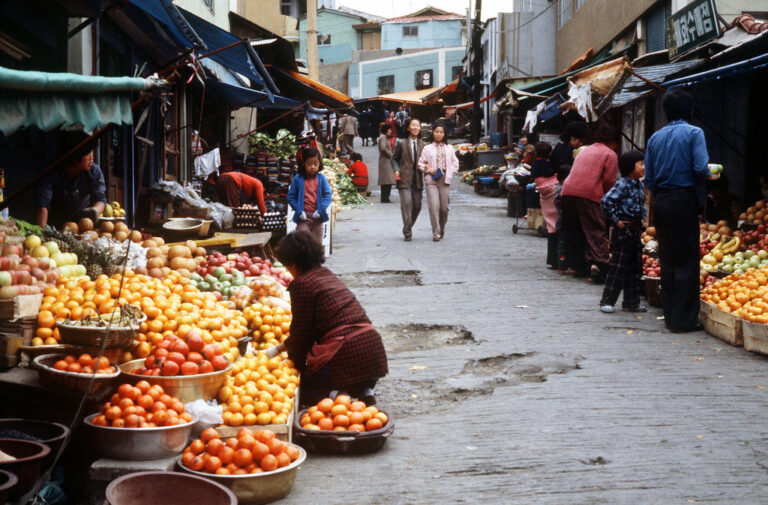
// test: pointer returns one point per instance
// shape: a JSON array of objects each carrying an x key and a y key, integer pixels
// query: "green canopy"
[{"x": 51, "y": 100}]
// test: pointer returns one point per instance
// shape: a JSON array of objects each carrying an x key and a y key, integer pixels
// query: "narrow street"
[{"x": 508, "y": 385}]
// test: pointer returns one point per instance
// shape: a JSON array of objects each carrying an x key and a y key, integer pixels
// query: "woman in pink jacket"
[{"x": 439, "y": 163}]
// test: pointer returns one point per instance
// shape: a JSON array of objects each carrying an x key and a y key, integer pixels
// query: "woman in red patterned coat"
[{"x": 332, "y": 341}]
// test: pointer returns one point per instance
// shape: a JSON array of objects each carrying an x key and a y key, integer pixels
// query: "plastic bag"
[
  {"x": 242, "y": 297},
  {"x": 205, "y": 412},
  {"x": 264, "y": 285},
  {"x": 221, "y": 214}
]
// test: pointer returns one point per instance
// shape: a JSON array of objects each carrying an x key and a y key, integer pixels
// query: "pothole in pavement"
[
  {"x": 420, "y": 337},
  {"x": 479, "y": 377},
  {"x": 381, "y": 279}
]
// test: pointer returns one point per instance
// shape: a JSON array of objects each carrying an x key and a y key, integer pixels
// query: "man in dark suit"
[{"x": 409, "y": 179}]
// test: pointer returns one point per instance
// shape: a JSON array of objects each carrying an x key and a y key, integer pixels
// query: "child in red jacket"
[{"x": 359, "y": 172}]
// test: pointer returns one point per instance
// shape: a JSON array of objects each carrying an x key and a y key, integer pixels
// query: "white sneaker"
[{"x": 608, "y": 309}]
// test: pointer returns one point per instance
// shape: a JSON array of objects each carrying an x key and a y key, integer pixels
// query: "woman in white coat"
[{"x": 439, "y": 163}]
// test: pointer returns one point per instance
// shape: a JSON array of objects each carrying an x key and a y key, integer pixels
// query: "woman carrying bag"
[{"x": 439, "y": 163}]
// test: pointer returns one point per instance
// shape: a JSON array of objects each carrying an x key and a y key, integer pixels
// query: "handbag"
[{"x": 438, "y": 174}]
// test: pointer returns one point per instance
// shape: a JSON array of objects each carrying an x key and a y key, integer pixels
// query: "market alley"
[{"x": 508, "y": 385}]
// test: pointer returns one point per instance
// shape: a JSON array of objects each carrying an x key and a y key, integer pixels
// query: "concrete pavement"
[{"x": 508, "y": 386}]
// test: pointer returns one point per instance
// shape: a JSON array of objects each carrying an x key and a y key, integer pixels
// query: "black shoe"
[
  {"x": 367, "y": 397},
  {"x": 698, "y": 327},
  {"x": 386, "y": 201},
  {"x": 639, "y": 308}
]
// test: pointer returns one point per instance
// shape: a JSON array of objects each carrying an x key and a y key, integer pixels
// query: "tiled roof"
[{"x": 420, "y": 19}]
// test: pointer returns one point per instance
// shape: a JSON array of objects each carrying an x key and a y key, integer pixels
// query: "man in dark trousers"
[
  {"x": 675, "y": 173},
  {"x": 409, "y": 179}
]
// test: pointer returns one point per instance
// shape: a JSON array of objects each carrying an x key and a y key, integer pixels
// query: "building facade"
[
  {"x": 337, "y": 35},
  {"x": 374, "y": 73},
  {"x": 278, "y": 16},
  {"x": 584, "y": 24},
  {"x": 428, "y": 27},
  {"x": 213, "y": 11}
]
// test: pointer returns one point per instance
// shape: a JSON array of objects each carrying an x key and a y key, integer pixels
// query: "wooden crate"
[
  {"x": 25, "y": 328},
  {"x": 756, "y": 337},
  {"x": 723, "y": 325},
  {"x": 283, "y": 431},
  {"x": 20, "y": 306}
]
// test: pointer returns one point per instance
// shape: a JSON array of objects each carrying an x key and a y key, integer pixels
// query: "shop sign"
[{"x": 691, "y": 26}]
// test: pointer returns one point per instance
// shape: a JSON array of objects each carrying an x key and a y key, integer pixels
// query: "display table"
[{"x": 255, "y": 243}]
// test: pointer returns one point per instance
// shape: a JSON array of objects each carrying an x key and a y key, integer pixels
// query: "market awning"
[
  {"x": 190, "y": 31},
  {"x": 467, "y": 105},
  {"x": 602, "y": 77},
  {"x": 296, "y": 85},
  {"x": 50, "y": 100},
  {"x": 234, "y": 97},
  {"x": 637, "y": 87},
  {"x": 415, "y": 97}
]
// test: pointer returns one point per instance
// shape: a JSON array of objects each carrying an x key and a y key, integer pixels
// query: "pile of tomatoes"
[
  {"x": 342, "y": 414},
  {"x": 183, "y": 356},
  {"x": 142, "y": 406},
  {"x": 248, "y": 452},
  {"x": 85, "y": 363}
]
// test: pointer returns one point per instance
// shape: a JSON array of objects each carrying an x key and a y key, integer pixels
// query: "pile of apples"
[
  {"x": 250, "y": 266},
  {"x": 755, "y": 240},
  {"x": 651, "y": 267},
  {"x": 183, "y": 356}
]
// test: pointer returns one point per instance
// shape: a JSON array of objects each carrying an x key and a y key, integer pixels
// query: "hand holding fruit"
[{"x": 275, "y": 350}]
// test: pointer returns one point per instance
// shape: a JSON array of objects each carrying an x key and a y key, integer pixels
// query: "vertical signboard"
[{"x": 691, "y": 26}]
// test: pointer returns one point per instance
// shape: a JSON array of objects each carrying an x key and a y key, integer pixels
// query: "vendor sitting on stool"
[
  {"x": 332, "y": 342},
  {"x": 359, "y": 173},
  {"x": 76, "y": 189},
  {"x": 235, "y": 189}
]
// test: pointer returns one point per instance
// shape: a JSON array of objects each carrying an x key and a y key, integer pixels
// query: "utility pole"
[
  {"x": 477, "y": 70},
  {"x": 312, "y": 40}
]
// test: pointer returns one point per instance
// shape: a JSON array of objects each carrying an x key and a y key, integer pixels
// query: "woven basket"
[
  {"x": 92, "y": 336},
  {"x": 653, "y": 291},
  {"x": 71, "y": 381}
]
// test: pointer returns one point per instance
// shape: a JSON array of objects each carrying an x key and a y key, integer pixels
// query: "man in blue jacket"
[{"x": 675, "y": 173}]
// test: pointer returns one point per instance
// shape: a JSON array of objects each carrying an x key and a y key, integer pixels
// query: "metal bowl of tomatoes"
[
  {"x": 138, "y": 444},
  {"x": 186, "y": 388},
  {"x": 257, "y": 488}
]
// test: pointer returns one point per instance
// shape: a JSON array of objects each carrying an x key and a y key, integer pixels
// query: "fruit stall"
[{"x": 151, "y": 355}]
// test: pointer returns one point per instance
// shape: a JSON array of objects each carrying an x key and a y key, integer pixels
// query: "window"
[
  {"x": 286, "y": 7},
  {"x": 456, "y": 71},
  {"x": 410, "y": 31},
  {"x": 423, "y": 79},
  {"x": 209, "y": 4},
  {"x": 578, "y": 4},
  {"x": 386, "y": 84},
  {"x": 324, "y": 40},
  {"x": 655, "y": 26},
  {"x": 563, "y": 12}
]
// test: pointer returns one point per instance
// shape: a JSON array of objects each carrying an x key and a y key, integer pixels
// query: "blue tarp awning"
[
  {"x": 235, "y": 97},
  {"x": 190, "y": 31}
]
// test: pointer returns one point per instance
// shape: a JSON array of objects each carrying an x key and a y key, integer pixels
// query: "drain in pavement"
[
  {"x": 381, "y": 279},
  {"x": 421, "y": 337}
]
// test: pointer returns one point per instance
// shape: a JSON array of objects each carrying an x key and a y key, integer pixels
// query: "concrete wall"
[
  {"x": 335, "y": 75},
  {"x": 344, "y": 38},
  {"x": 595, "y": 24},
  {"x": 526, "y": 43},
  {"x": 219, "y": 16},
  {"x": 364, "y": 75},
  {"x": 266, "y": 13},
  {"x": 431, "y": 34}
]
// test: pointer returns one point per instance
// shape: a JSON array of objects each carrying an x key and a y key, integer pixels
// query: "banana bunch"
[{"x": 731, "y": 246}]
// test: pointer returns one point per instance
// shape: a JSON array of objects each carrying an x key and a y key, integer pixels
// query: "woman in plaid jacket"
[{"x": 332, "y": 341}]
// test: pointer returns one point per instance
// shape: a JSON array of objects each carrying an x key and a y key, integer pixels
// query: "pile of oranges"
[
  {"x": 171, "y": 304},
  {"x": 270, "y": 320},
  {"x": 259, "y": 391},
  {"x": 342, "y": 414},
  {"x": 85, "y": 363},
  {"x": 249, "y": 452},
  {"x": 142, "y": 406},
  {"x": 744, "y": 295}
]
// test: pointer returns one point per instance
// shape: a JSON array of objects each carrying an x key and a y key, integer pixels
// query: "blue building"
[
  {"x": 338, "y": 33},
  {"x": 429, "y": 27},
  {"x": 419, "y": 51},
  {"x": 388, "y": 72}
]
